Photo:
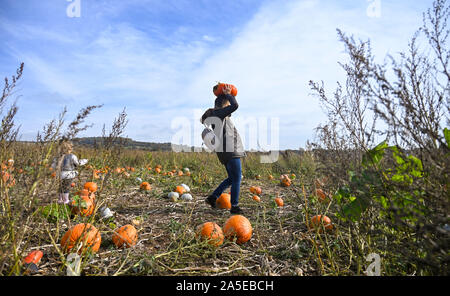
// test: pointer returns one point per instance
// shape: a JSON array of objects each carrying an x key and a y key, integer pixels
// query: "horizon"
[{"x": 160, "y": 59}]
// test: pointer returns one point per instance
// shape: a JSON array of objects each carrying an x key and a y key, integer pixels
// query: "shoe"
[
  {"x": 236, "y": 210},
  {"x": 60, "y": 199},
  {"x": 211, "y": 200}
]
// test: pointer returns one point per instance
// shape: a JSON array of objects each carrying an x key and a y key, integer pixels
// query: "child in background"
[
  {"x": 65, "y": 166},
  {"x": 231, "y": 146}
]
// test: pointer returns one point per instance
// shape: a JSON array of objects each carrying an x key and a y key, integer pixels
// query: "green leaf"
[
  {"x": 374, "y": 155},
  {"x": 447, "y": 136},
  {"x": 354, "y": 209}
]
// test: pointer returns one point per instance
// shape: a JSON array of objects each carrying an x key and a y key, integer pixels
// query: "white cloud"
[{"x": 271, "y": 60}]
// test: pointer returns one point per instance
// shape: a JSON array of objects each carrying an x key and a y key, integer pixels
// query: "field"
[{"x": 281, "y": 243}]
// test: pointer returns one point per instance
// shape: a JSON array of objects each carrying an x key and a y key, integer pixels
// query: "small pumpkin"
[
  {"x": 218, "y": 89},
  {"x": 173, "y": 196},
  {"x": 256, "y": 198},
  {"x": 270, "y": 177},
  {"x": 317, "y": 221},
  {"x": 91, "y": 186},
  {"x": 145, "y": 186},
  {"x": 33, "y": 257},
  {"x": 237, "y": 226},
  {"x": 212, "y": 232},
  {"x": 83, "y": 233},
  {"x": 279, "y": 201},
  {"x": 224, "y": 201},
  {"x": 125, "y": 236},
  {"x": 180, "y": 189},
  {"x": 285, "y": 181},
  {"x": 186, "y": 196},
  {"x": 256, "y": 190},
  {"x": 321, "y": 195},
  {"x": 186, "y": 187},
  {"x": 83, "y": 206}
]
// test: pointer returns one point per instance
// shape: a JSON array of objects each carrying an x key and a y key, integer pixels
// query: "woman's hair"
[
  {"x": 221, "y": 103},
  {"x": 66, "y": 147}
]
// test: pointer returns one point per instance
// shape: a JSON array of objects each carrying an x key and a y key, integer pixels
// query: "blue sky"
[{"x": 160, "y": 59}]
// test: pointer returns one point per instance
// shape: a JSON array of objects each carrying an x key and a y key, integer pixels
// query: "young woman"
[{"x": 229, "y": 149}]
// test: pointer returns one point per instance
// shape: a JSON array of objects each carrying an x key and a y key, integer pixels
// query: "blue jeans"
[{"x": 234, "y": 170}]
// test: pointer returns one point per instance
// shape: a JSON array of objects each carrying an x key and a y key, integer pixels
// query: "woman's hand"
[{"x": 226, "y": 89}]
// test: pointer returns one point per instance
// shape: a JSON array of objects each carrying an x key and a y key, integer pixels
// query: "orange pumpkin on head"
[
  {"x": 211, "y": 232},
  {"x": 218, "y": 89}
]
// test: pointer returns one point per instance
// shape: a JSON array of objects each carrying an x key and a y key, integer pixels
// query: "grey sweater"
[{"x": 231, "y": 142}]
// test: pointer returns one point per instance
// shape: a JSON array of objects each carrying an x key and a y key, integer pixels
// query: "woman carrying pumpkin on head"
[
  {"x": 229, "y": 147},
  {"x": 65, "y": 166}
]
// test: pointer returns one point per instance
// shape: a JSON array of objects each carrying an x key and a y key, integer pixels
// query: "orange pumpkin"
[
  {"x": 125, "y": 236},
  {"x": 321, "y": 195},
  {"x": 256, "y": 198},
  {"x": 85, "y": 192},
  {"x": 224, "y": 201},
  {"x": 180, "y": 173},
  {"x": 84, "y": 206},
  {"x": 33, "y": 257},
  {"x": 145, "y": 186},
  {"x": 180, "y": 189},
  {"x": 317, "y": 221},
  {"x": 83, "y": 233},
  {"x": 91, "y": 186},
  {"x": 270, "y": 177},
  {"x": 285, "y": 181},
  {"x": 256, "y": 190},
  {"x": 237, "y": 226},
  {"x": 211, "y": 232},
  {"x": 279, "y": 201},
  {"x": 218, "y": 89}
]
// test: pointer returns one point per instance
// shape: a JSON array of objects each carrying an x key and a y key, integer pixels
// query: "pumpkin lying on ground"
[
  {"x": 279, "y": 201},
  {"x": 145, "y": 186},
  {"x": 285, "y": 181},
  {"x": 83, "y": 233},
  {"x": 256, "y": 190},
  {"x": 91, "y": 186},
  {"x": 317, "y": 221},
  {"x": 224, "y": 201},
  {"x": 83, "y": 206},
  {"x": 321, "y": 195},
  {"x": 125, "y": 236},
  {"x": 212, "y": 232},
  {"x": 237, "y": 226},
  {"x": 256, "y": 198},
  {"x": 180, "y": 189},
  {"x": 173, "y": 196}
]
